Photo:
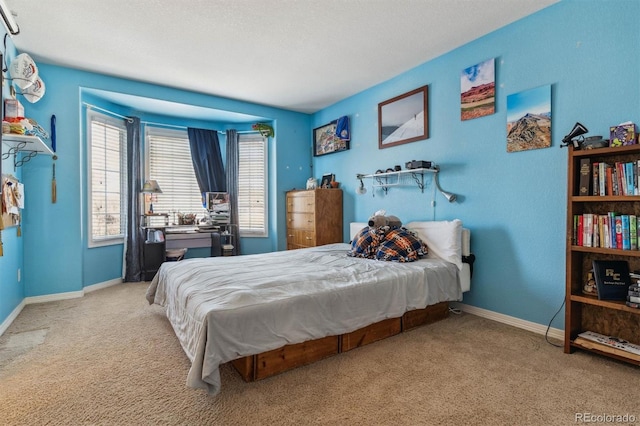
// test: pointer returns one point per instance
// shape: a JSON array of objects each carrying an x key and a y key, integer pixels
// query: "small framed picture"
[
  {"x": 326, "y": 139},
  {"x": 326, "y": 180}
]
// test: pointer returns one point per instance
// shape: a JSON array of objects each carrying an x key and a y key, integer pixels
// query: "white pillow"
[{"x": 443, "y": 239}]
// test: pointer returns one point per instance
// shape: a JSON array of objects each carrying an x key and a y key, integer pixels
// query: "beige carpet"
[{"x": 111, "y": 359}]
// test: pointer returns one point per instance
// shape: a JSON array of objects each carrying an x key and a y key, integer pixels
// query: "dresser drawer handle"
[{"x": 309, "y": 238}]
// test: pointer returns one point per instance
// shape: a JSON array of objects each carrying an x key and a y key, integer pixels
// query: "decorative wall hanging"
[
  {"x": 478, "y": 90},
  {"x": 529, "y": 119},
  {"x": 265, "y": 129},
  {"x": 403, "y": 119},
  {"x": 331, "y": 137}
]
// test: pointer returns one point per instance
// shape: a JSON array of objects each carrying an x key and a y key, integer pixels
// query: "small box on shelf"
[{"x": 623, "y": 134}]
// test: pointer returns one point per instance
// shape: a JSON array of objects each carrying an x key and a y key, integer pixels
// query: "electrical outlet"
[{"x": 18, "y": 274}]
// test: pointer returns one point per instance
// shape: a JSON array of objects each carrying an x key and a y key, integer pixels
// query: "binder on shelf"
[{"x": 612, "y": 279}]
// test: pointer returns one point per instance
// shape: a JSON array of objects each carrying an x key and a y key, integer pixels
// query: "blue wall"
[
  {"x": 11, "y": 291},
  {"x": 514, "y": 203}
]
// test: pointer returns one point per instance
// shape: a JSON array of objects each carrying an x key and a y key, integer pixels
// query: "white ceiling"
[{"x": 300, "y": 55}]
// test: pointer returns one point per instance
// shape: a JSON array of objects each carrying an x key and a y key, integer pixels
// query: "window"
[
  {"x": 169, "y": 162},
  {"x": 107, "y": 154},
  {"x": 252, "y": 185}
]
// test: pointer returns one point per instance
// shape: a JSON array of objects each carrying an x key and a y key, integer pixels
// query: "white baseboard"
[
  {"x": 12, "y": 316},
  {"x": 54, "y": 297},
  {"x": 105, "y": 284},
  {"x": 554, "y": 333}
]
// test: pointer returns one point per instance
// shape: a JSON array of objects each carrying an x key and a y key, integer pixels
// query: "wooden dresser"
[{"x": 314, "y": 218}]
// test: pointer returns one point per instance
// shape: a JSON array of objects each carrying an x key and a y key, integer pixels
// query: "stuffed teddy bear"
[{"x": 380, "y": 219}]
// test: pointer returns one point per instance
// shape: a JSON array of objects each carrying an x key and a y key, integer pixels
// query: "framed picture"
[
  {"x": 529, "y": 119},
  {"x": 478, "y": 90},
  {"x": 326, "y": 141},
  {"x": 403, "y": 119},
  {"x": 326, "y": 180}
]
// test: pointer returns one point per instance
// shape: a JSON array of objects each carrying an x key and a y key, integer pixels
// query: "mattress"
[{"x": 224, "y": 308}]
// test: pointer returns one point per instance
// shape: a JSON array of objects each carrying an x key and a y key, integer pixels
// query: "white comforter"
[{"x": 223, "y": 308}]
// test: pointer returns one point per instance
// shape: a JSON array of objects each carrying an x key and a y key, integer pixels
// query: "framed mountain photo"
[
  {"x": 529, "y": 119},
  {"x": 612, "y": 279}
]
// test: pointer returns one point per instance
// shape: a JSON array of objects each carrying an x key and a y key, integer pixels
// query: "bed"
[{"x": 270, "y": 312}]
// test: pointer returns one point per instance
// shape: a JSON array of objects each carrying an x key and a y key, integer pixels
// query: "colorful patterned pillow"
[
  {"x": 400, "y": 245},
  {"x": 365, "y": 243}
]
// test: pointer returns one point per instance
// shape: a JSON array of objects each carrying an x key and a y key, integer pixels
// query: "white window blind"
[
  {"x": 169, "y": 162},
  {"x": 252, "y": 185},
  {"x": 107, "y": 154}
]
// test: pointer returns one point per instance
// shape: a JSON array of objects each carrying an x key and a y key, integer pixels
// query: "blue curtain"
[
  {"x": 207, "y": 160},
  {"x": 132, "y": 268},
  {"x": 233, "y": 163}
]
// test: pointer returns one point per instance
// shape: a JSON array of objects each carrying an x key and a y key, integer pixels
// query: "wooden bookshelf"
[{"x": 588, "y": 313}]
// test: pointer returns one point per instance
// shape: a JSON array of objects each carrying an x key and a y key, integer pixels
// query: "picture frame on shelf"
[
  {"x": 326, "y": 180},
  {"x": 403, "y": 119},
  {"x": 327, "y": 141}
]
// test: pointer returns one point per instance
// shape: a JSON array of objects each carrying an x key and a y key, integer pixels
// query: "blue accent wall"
[
  {"x": 514, "y": 203},
  {"x": 11, "y": 290}
]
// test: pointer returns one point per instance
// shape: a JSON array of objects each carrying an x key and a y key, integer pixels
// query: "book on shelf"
[
  {"x": 625, "y": 232},
  {"x": 618, "y": 225},
  {"x": 585, "y": 176},
  {"x": 633, "y": 231},
  {"x": 595, "y": 174},
  {"x": 602, "y": 176},
  {"x": 612, "y": 279}
]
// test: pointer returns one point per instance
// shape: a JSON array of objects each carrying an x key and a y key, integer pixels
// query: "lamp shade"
[{"x": 151, "y": 187}]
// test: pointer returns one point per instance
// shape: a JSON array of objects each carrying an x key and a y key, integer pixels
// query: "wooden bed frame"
[{"x": 270, "y": 363}]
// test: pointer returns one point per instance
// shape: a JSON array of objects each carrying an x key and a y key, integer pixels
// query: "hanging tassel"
[
  {"x": 19, "y": 231},
  {"x": 1, "y": 251},
  {"x": 54, "y": 189}
]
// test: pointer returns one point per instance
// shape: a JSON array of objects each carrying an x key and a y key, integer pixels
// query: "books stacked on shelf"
[
  {"x": 602, "y": 178},
  {"x": 608, "y": 230},
  {"x": 633, "y": 297}
]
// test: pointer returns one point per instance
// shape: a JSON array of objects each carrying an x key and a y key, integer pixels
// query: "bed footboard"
[{"x": 270, "y": 363}]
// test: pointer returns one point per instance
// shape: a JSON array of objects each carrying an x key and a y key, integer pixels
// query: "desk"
[{"x": 177, "y": 238}]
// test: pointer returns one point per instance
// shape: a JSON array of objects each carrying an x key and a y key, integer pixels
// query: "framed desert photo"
[
  {"x": 327, "y": 141},
  {"x": 403, "y": 119},
  {"x": 478, "y": 90}
]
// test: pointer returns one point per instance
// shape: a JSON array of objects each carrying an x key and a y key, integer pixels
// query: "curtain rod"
[
  {"x": 156, "y": 124},
  {"x": 185, "y": 127},
  {"x": 115, "y": 114}
]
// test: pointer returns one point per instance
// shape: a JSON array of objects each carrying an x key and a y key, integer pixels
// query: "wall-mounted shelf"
[
  {"x": 398, "y": 178},
  {"x": 30, "y": 145}
]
